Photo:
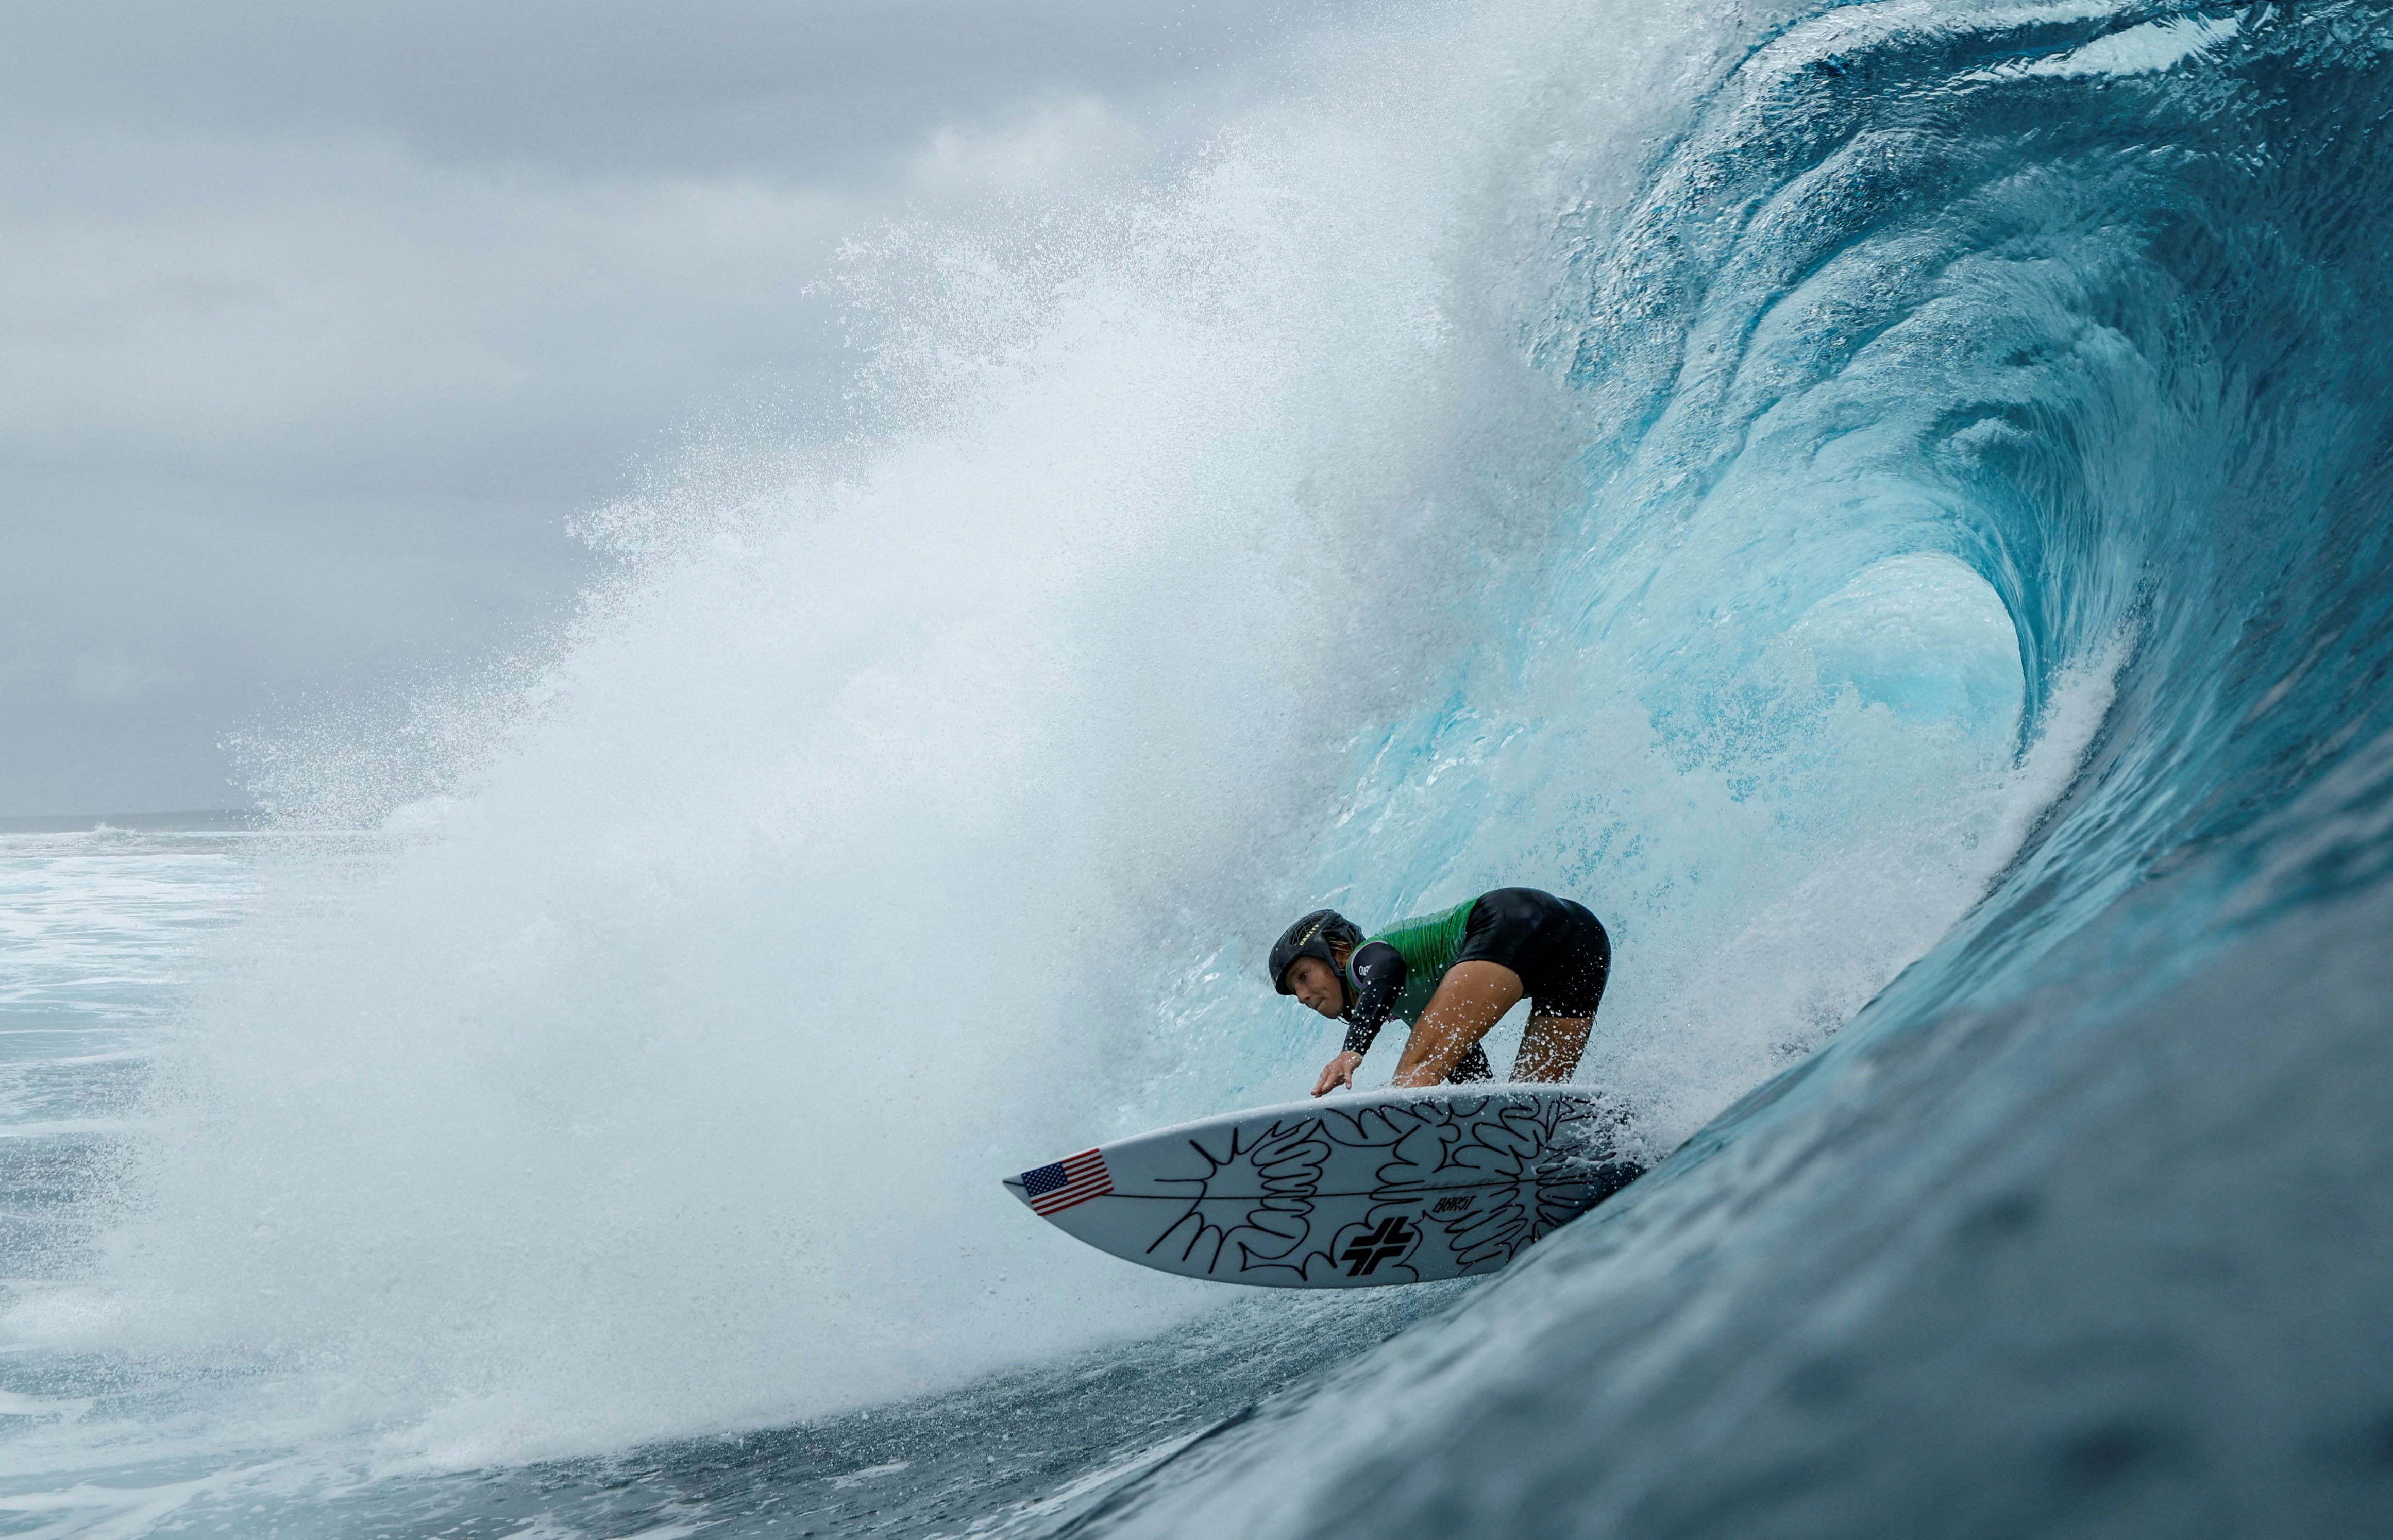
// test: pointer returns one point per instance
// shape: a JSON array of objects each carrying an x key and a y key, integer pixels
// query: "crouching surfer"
[{"x": 1453, "y": 974}]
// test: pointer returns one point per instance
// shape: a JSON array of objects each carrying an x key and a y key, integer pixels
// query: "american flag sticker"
[{"x": 1074, "y": 1178}]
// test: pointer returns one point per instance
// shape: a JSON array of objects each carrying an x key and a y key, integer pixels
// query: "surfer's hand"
[{"x": 1338, "y": 1072}]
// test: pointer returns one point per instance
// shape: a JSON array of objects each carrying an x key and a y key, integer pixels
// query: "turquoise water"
[{"x": 1882, "y": 503}]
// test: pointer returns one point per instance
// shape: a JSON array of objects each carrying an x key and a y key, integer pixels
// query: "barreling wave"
[
  {"x": 2081, "y": 298},
  {"x": 1885, "y": 504}
]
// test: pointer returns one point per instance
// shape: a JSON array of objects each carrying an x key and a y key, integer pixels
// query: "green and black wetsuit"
[{"x": 1558, "y": 948}]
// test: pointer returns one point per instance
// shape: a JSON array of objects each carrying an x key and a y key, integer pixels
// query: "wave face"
[
  {"x": 2080, "y": 1226},
  {"x": 1885, "y": 506}
]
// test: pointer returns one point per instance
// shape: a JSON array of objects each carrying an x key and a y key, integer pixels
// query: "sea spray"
[{"x": 1426, "y": 491}]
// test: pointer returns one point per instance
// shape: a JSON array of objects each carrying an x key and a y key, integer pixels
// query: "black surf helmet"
[{"x": 1310, "y": 936}]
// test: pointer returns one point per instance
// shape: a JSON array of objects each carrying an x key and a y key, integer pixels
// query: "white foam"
[
  {"x": 907, "y": 818},
  {"x": 660, "y": 1079},
  {"x": 2148, "y": 49}
]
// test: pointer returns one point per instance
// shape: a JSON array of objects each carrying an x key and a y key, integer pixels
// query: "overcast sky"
[{"x": 318, "y": 321}]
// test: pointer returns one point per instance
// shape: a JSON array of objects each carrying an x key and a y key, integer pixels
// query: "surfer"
[{"x": 1453, "y": 974}]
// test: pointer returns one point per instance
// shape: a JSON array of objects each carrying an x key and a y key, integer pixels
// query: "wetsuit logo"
[{"x": 1388, "y": 1238}]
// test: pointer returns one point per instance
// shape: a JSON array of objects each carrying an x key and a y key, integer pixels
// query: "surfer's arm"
[{"x": 1378, "y": 972}]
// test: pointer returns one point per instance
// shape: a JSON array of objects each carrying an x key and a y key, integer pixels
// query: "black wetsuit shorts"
[{"x": 1556, "y": 946}]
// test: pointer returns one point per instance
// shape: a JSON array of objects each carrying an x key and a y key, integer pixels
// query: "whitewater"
[{"x": 1884, "y": 502}]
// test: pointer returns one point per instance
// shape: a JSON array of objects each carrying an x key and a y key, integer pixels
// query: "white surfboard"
[{"x": 1349, "y": 1192}]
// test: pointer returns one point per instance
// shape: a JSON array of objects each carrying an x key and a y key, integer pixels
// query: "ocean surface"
[{"x": 1887, "y": 503}]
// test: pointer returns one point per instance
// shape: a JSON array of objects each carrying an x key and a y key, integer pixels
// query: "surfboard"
[{"x": 1358, "y": 1191}]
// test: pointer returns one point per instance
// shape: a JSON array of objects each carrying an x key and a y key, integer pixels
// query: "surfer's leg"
[
  {"x": 1565, "y": 973},
  {"x": 1470, "y": 999},
  {"x": 1550, "y": 1047}
]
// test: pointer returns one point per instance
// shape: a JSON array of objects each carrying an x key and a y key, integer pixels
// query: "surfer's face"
[{"x": 1315, "y": 986}]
